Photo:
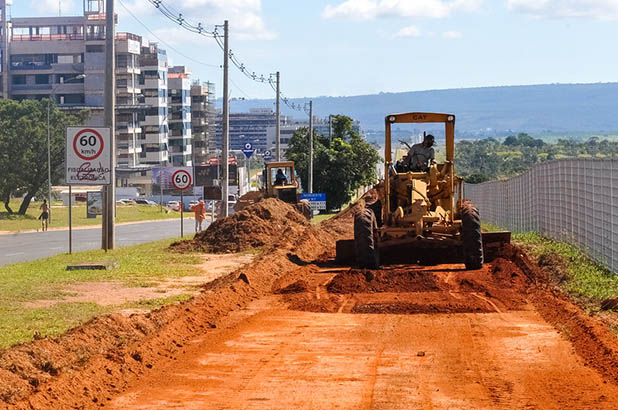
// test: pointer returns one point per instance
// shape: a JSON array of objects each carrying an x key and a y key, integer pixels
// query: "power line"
[
  {"x": 164, "y": 42},
  {"x": 181, "y": 20},
  {"x": 178, "y": 18}
]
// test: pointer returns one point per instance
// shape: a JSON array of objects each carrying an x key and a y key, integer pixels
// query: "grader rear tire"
[
  {"x": 364, "y": 239},
  {"x": 471, "y": 234}
]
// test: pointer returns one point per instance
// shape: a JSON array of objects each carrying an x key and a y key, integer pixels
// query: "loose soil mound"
[
  {"x": 399, "y": 308},
  {"x": 88, "y": 365},
  {"x": 296, "y": 287},
  {"x": 266, "y": 223},
  {"x": 395, "y": 280}
]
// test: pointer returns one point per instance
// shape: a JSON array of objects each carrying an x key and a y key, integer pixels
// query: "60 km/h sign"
[
  {"x": 88, "y": 144},
  {"x": 88, "y": 156},
  {"x": 181, "y": 179}
]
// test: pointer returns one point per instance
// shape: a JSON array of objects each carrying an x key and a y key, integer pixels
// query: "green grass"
[
  {"x": 322, "y": 217},
  {"x": 45, "y": 279},
  {"x": 60, "y": 216},
  {"x": 584, "y": 279}
]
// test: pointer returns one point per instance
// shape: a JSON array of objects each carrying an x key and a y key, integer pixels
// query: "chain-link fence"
[{"x": 570, "y": 200}]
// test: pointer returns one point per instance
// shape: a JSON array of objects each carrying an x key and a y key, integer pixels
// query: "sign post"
[
  {"x": 88, "y": 161},
  {"x": 248, "y": 151},
  {"x": 70, "y": 224},
  {"x": 182, "y": 179}
]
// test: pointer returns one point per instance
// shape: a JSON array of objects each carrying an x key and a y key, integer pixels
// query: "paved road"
[{"x": 23, "y": 247}]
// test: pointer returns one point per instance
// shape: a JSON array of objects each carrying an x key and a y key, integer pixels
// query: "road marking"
[
  {"x": 57, "y": 247},
  {"x": 14, "y": 254}
]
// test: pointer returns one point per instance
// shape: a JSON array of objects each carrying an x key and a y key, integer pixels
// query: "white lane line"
[
  {"x": 57, "y": 247},
  {"x": 14, "y": 254}
]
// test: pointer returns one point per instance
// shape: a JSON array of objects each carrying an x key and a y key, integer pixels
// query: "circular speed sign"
[
  {"x": 181, "y": 179},
  {"x": 88, "y": 144}
]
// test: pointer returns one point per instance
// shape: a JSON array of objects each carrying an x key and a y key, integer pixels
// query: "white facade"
[
  {"x": 179, "y": 101},
  {"x": 155, "y": 129}
]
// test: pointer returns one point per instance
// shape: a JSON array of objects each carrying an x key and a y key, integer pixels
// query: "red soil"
[
  {"x": 267, "y": 223},
  {"x": 95, "y": 362}
]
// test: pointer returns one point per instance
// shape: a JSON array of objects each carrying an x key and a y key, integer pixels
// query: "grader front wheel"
[
  {"x": 471, "y": 235},
  {"x": 365, "y": 246}
]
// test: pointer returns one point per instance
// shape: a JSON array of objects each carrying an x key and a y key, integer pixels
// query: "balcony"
[
  {"x": 199, "y": 122},
  {"x": 47, "y": 37},
  {"x": 31, "y": 87},
  {"x": 128, "y": 36}
]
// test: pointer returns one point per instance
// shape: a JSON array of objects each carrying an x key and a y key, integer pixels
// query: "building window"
[
  {"x": 41, "y": 79},
  {"x": 95, "y": 49},
  {"x": 18, "y": 79}
]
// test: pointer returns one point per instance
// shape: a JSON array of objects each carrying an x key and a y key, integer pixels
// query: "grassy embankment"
[
  {"x": 60, "y": 216},
  {"x": 23, "y": 284},
  {"x": 585, "y": 280}
]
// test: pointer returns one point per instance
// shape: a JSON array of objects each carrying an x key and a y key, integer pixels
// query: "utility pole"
[
  {"x": 225, "y": 126},
  {"x": 310, "y": 179},
  {"x": 4, "y": 64},
  {"x": 110, "y": 109},
  {"x": 278, "y": 121}
]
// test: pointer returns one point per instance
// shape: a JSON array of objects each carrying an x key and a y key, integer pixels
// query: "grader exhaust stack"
[{"x": 418, "y": 214}]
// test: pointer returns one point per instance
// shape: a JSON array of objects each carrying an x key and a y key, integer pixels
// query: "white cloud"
[
  {"x": 452, "y": 35},
  {"x": 410, "y": 31},
  {"x": 245, "y": 16},
  {"x": 592, "y": 9},
  {"x": 369, "y": 9},
  {"x": 51, "y": 7}
]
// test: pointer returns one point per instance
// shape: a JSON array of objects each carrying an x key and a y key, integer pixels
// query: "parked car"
[
  {"x": 142, "y": 201},
  {"x": 173, "y": 205},
  {"x": 125, "y": 201},
  {"x": 192, "y": 204}
]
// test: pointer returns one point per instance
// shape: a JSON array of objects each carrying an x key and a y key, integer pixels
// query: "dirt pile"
[
  {"x": 266, "y": 223},
  {"x": 296, "y": 287},
  {"x": 385, "y": 280},
  {"x": 92, "y": 363}
]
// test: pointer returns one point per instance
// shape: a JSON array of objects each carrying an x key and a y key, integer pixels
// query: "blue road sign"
[
  {"x": 248, "y": 150},
  {"x": 267, "y": 155},
  {"x": 316, "y": 201}
]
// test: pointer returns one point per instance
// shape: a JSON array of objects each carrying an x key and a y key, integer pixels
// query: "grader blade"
[{"x": 496, "y": 239}]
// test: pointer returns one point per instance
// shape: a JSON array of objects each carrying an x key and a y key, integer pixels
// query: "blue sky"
[{"x": 353, "y": 47}]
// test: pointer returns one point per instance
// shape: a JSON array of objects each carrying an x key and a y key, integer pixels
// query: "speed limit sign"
[
  {"x": 88, "y": 159},
  {"x": 181, "y": 179}
]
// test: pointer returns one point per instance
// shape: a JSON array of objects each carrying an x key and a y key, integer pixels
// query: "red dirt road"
[
  {"x": 292, "y": 330},
  {"x": 270, "y": 356}
]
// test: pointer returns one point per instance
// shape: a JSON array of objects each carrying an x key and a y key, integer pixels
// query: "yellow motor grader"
[
  {"x": 279, "y": 181},
  {"x": 418, "y": 215}
]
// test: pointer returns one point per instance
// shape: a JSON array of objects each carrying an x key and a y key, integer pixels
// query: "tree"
[
  {"x": 341, "y": 165},
  {"x": 23, "y": 147}
]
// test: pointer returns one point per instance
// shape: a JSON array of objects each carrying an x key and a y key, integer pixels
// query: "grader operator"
[{"x": 419, "y": 208}]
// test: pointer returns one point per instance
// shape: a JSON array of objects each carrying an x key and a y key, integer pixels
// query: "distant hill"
[{"x": 535, "y": 109}]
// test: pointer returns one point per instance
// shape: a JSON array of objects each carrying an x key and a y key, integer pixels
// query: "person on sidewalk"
[
  {"x": 199, "y": 210},
  {"x": 44, "y": 217}
]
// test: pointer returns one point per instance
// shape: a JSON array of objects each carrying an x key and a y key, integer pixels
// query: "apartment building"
[
  {"x": 129, "y": 100},
  {"x": 154, "y": 121},
  {"x": 203, "y": 117},
  {"x": 63, "y": 59},
  {"x": 250, "y": 127},
  {"x": 285, "y": 135},
  {"x": 179, "y": 101}
]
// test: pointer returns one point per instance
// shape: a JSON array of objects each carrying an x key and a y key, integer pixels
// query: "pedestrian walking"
[
  {"x": 44, "y": 217},
  {"x": 199, "y": 210}
]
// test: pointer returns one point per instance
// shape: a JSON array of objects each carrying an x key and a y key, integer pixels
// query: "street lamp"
[{"x": 49, "y": 183}]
